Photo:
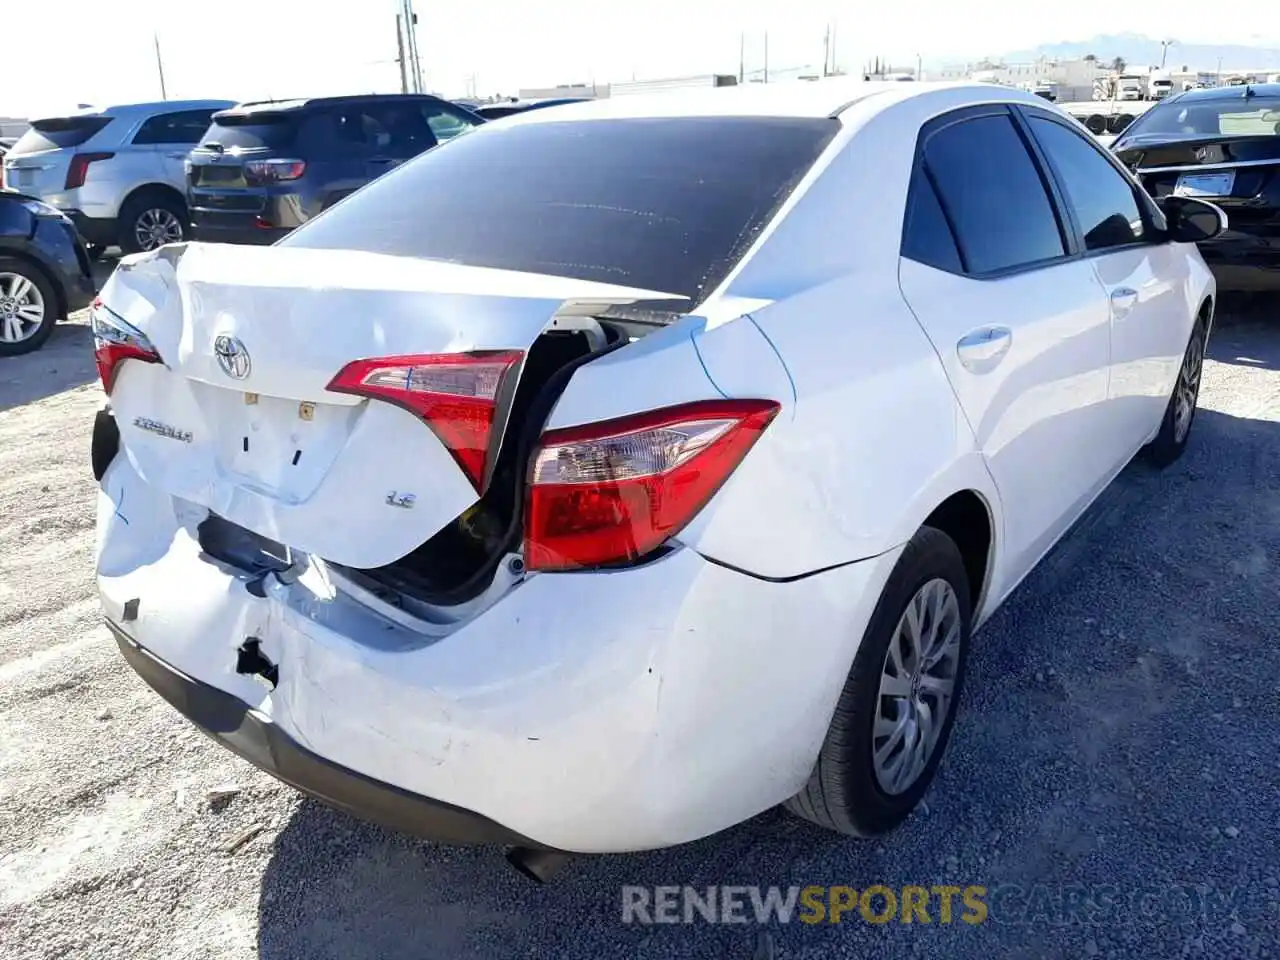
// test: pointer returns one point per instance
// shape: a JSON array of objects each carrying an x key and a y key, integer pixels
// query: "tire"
[
  {"x": 1171, "y": 441},
  {"x": 155, "y": 213},
  {"x": 19, "y": 332},
  {"x": 1119, "y": 124},
  {"x": 1096, "y": 123},
  {"x": 845, "y": 792}
]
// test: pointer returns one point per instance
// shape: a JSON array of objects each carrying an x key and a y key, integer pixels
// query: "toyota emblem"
[{"x": 233, "y": 358}]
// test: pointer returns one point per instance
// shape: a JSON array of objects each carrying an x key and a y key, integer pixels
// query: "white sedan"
[{"x": 609, "y": 475}]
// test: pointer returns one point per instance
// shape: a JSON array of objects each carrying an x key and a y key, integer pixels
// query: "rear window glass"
[
  {"x": 1211, "y": 118},
  {"x": 59, "y": 132},
  {"x": 660, "y": 204},
  {"x": 257, "y": 131}
]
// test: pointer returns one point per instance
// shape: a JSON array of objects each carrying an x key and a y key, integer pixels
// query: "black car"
[
  {"x": 1222, "y": 145},
  {"x": 263, "y": 169},
  {"x": 506, "y": 108},
  {"x": 44, "y": 272}
]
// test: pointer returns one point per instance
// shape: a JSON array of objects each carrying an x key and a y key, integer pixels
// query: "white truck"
[
  {"x": 1159, "y": 85},
  {"x": 1131, "y": 86}
]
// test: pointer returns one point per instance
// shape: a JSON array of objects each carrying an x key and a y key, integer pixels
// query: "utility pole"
[
  {"x": 826, "y": 51},
  {"x": 160, "y": 67},
  {"x": 742, "y": 59},
  {"x": 766, "y": 56},
  {"x": 404, "y": 77},
  {"x": 410, "y": 22},
  {"x": 919, "y": 68},
  {"x": 835, "y": 66}
]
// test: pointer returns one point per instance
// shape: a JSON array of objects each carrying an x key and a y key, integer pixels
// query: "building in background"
[
  {"x": 12, "y": 127},
  {"x": 590, "y": 91}
]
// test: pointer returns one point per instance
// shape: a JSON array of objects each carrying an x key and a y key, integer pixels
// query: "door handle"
[
  {"x": 982, "y": 349},
  {"x": 1123, "y": 299}
]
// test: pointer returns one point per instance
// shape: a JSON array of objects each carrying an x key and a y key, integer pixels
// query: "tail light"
[
  {"x": 115, "y": 341},
  {"x": 79, "y": 168},
  {"x": 614, "y": 491},
  {"x": 263, "y": 172},
  {"x": 457, "y": 394}
]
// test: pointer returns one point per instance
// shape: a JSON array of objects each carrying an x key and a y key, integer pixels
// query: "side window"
[
  {"x": 993, "y": 194},
  {"x": 186, "y": 126},
  {"x": 407, "y": 131},
  {"x": 1102, "y": 200},
  {"x": 444, "y": 123},
  {"x": 926, "y": 235},
  {"x": 351, "y": 132}
]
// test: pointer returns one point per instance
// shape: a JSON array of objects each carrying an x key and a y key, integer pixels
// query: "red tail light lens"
[
  {"x": 455, "y": 393},
  {"x": 614, "y": 491},
  {"x": 115, "y": 341},
  {"x": 261, "y": 172},
  {"x": 79, "y": 168}
]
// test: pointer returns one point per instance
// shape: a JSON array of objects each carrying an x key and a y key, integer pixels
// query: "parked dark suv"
[{"x": 263, "y": 169}]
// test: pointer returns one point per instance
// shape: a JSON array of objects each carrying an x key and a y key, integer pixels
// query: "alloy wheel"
[
  {"x": 156, "y": 227},
  {"x": 1187, "y": 391},
  {"x": 917, "y": 687},
  {"x": 22, "y": 308}
]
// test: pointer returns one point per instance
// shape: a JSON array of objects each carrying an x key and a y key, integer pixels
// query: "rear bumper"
[
  {"x": 583, "y": 712},
  {"x": 252, "y": 736},
  {"x": 233, "y": 228},
  {"x": 1244, "y": 262}
]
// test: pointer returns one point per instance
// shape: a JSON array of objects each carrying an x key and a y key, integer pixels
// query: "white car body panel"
[{"x": 621, "y": 709}]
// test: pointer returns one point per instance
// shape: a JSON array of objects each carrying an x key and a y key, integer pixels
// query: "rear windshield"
[
  {"x": 659, "y": 204},
  {"x": 1210, "y": 118},
  {"x": 59, "y": 132},
  {"x": 255, "y": 131}
]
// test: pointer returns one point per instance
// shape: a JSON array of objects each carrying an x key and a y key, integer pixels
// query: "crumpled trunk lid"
[{"x": 238, "y": 419}]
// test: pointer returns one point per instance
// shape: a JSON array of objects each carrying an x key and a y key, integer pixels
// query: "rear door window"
[
  {"x": 58, "y": 132},
  {"x": 406, "y": 128},
  {"x": 993, "y": 194},
  {"x": 668, "y": 205},
  {"x": 926, "y": 235}
]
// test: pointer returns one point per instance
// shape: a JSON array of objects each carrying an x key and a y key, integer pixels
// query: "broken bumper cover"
[
  {"x": 252, "y": 736},
  {"x": 583, "y": 712}
]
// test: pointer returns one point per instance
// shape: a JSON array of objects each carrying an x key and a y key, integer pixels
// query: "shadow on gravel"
[
  {"x": 1248, "y": 338},
  {"x": 65, "y": 361},
  {"x": 1084, "y": 754}
]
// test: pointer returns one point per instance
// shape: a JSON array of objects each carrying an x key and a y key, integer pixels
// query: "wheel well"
[
  {"x": 155, "y": 189},
  {"x": 59, "y": 294},
  {"x": 965, "y": 519}
]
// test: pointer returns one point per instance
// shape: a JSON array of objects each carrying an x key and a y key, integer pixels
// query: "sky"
[{"x": 102, "y": 51}]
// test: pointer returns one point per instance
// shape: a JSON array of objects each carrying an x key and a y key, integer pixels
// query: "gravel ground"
[{"x": 1119, "y": 728}]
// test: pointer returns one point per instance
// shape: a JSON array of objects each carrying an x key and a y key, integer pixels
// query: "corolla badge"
[
  {"x": 232, "y": 356},
  {"x": 162, "y": 429}
]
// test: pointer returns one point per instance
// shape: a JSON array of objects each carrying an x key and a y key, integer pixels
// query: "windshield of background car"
[
  {"x": 251, "y": 131},
  {"x": 57, "y": 132},
  {"x": 666, "y": 204},
  {"x": 1210, "y": 118}
]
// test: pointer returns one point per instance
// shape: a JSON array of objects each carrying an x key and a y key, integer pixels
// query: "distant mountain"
[{"x": 1140, "y": 51}]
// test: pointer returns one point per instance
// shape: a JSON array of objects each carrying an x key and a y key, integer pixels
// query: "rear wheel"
[
  {"x": 1175, "y": 428},
  {"x": 894, "y": 716},
  {"x": 28, "y": 307},
  {"x": 150, "y": 220}
]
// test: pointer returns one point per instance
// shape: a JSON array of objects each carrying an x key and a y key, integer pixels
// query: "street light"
[{"x": 1164, "y": 50}]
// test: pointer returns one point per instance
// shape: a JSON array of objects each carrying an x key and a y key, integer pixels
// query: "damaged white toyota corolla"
[{"x": 609, "y": 475}]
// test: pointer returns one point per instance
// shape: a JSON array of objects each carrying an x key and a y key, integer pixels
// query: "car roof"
[
  {"x": 141, "y": 109},
  {"x": 792, "y": 98},
  {"x": 1234, "y": 92},
  {"x": 302, "y": 103}
]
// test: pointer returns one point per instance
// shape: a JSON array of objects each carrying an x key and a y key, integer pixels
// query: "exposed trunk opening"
[{"x": 459, "y": 562}]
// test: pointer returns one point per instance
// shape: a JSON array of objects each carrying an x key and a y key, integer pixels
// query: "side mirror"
[{"x": 1192, "y": 220}]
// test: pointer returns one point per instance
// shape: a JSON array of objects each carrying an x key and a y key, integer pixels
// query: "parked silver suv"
[{"x": 116, "y": 172}]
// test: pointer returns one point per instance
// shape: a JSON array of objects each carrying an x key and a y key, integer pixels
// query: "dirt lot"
[{"x": 1120, "y": 728}]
